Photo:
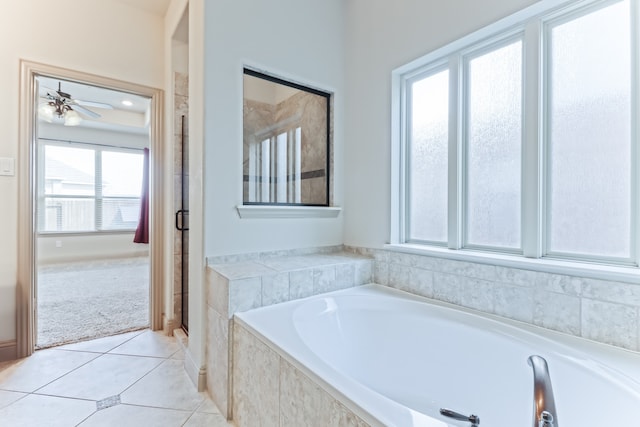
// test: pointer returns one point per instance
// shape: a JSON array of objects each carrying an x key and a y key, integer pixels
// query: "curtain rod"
[{"x": 90, "y": 143}]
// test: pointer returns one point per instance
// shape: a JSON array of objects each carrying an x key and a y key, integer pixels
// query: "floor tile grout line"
[
  {"x": 63, "y": 397},
  {"x": 140, "y": 332},
  {"x": 18, "y": 399},
  {"x": 188, "y": 418},
  {"x": 101, "y": 354},
  {"x": 154, "y": 407},
  {"x": 139, "y": 379},
  {"x": 98, "y": 354},
  {"x": 68, "y": 372},
  {"x": 161, "y": 407},
  {"x": 87, "y": 417},
  {"x": 33, "y": 393}
]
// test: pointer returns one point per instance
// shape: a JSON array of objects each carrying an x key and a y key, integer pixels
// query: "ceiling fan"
[{"x": 60, "y": 104}]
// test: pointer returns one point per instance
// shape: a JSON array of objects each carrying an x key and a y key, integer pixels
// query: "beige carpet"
[{"x": 80, "y": 301}]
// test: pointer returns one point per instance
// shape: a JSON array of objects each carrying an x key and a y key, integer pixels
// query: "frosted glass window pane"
[
  {"x": 494, "y": 140},
  {"x": 428, "y": 147},
  {"x": 589, "y": 138}
]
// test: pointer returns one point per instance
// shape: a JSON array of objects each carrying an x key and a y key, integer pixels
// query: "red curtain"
[{"x": 142, "y": 232}]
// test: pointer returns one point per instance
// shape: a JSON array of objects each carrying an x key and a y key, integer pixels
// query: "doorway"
[
  {"x": 92, "y": 276},
  {"x": 36, "y": 215}
]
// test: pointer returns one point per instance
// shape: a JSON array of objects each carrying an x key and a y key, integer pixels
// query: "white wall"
[
  {"x": 381, "y": 36},
  {"x": 66, "y": 248},
  {"x": 93, "y": 136},
  {"x": 301, "y": 40},
  {"x": 107, "y": 39}
]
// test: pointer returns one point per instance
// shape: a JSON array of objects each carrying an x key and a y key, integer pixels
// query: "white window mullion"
[
  {"x": 98, "y": 190},
  {"x": 635, "y": 130},
  {"x": 399, "y": 165},
  {"x": 404, "y": 155},
  {"x": 290, "y": 165},
  {"x": 455, "y": 169},
  {"x": 253, "y": 175},
  {"x": 281, "y": 167},
  {"x": 531, "y": 150},
  {"x": 265, "y": 171},
  {"x": 298, "y": 166}
]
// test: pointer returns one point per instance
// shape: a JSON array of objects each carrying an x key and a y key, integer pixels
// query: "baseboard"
[
  {"x": 182, "y": 338},
  {"x": 8, "y": 350},
  {"x": 197, "y": 375},
  {"x": 169, "y": 326}
]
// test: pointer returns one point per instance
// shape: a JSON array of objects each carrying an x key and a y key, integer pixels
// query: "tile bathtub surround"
[
  {"x": 258, "y": 280},
  {"x": 131, "y": 379},
  {"x": 600, "y": 310},
  {"x": 269, "y": 255},
  {"x": 241, "y": 286},
  {"x": 270, "y": 391}
]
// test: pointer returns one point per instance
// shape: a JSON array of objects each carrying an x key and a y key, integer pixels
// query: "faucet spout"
[{"x": 544, "y": 411}]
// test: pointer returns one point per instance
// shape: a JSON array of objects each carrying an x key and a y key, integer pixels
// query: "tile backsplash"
[{"x": 600, "y": 310}]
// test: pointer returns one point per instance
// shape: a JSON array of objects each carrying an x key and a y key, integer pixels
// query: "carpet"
[{"x": 86, "y": 300}]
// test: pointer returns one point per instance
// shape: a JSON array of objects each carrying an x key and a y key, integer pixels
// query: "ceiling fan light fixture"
[
  {"x": 46, "y": 111},
  {"x": 71, "y": 118}
]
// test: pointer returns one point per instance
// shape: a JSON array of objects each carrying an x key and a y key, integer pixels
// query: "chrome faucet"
[{"x": 544, "y": 411}]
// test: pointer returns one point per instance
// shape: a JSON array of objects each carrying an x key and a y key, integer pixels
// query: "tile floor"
[{"x": 134, "y": 379}]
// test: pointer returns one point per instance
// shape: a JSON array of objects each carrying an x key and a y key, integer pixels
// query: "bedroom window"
[
  {"x": 87, "y": 188},
  {"x": 522, "y": 138}
]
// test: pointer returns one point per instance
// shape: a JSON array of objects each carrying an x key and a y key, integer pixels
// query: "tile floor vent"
[{"x": 108, "y": 402}]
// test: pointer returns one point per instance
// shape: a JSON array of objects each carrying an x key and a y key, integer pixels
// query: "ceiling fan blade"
[
  {"x": 86, "y": 111},
  {"x": 50, "y": 92},
  {"x": 93, "y": 104}
]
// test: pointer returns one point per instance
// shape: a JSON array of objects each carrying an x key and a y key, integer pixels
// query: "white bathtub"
[{"x": 395, "y": 360}]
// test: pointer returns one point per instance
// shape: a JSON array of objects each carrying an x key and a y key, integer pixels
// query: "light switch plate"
[{"x": 7, "y": 166}]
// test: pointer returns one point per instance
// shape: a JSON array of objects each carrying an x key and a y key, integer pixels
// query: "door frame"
[{"x": 26, "y": 274}]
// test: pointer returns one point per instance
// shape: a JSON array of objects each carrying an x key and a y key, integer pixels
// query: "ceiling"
[
  {"x": 132, "y": 118},
  {"x": 157, "y": 7}
]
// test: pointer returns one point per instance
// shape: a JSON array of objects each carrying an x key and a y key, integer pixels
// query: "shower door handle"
[{"x": 180, "y": 214}]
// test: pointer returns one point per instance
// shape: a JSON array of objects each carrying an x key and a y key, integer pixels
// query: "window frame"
[
  {"x": 466, "y": 56},
  {"x": 531, "y": 23},
  {"x": 328, "y": 97},
  {"x": 421, "y": 74},
  {"x": 98, "y": 196},
  {"x": 551, "y": 21}
]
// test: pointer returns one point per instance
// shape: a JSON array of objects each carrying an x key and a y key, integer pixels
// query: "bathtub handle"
[{"x": 473, "y": 419}]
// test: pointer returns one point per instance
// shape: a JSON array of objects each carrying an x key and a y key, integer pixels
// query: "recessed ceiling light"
[{"x": 127, "y": 103}]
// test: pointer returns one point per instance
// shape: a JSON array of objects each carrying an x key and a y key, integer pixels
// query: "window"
[
  {"x": 493, "y": 140},
  {"x": 87, "y": 188},
  {"x": 589, "y": 140},
  {"x": 286, "y": 142},
  {"x": 278, "y": 155},
  {"x": 427, "y": 158},
  {"x": 523, "y": 138}
]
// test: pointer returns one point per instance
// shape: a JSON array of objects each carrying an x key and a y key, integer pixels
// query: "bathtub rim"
[{"x": 621, "y": 361}]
